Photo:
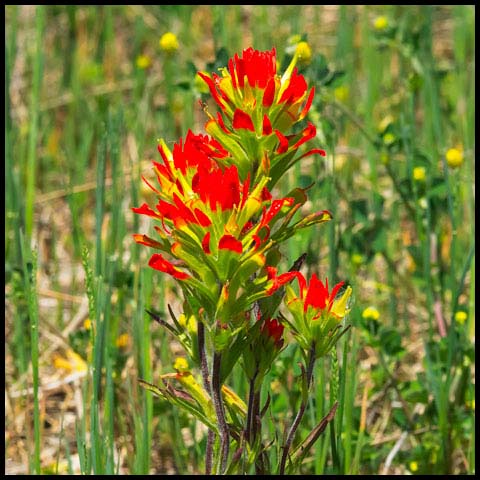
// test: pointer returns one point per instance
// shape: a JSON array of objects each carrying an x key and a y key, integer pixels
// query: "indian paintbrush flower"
[
  {"x": 317, "y": 312},
  {"x": 257, "y": 107},
  {"x": 218, "y": 227}
]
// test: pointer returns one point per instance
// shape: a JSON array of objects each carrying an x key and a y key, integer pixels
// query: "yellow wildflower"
[
  {"x": 389, "y": 138},
  {"x": 180, "y": 365},
  {"x": 413, "y": 466},
  {"x": 143, "y": 62},
  {"x": 341, "y": 93},
  {"x": 168, "y": 42},
  {"x": 371, "y": 313},
  {"x": 303, "y": 52},
  {"x": 73, "y": 362},
  {"x": 357, "y": 259},
  {"x": 123, "y": 340},
  {"x": 419, "y": 174},
  {"x": 460, "y": 317},
  {"x": 87, "y": 324},
  {"x": 380, "y": 23},
  {"x": 454, "y": 157}
]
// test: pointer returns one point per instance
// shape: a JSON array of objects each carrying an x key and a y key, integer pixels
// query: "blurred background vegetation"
[{"x": 90, "y": 89}]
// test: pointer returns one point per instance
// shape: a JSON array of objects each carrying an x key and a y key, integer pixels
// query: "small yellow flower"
[
  {"x": 413, "y": 466},
  {"x": 123, "y": 340},
  {"x": 341, "y": 93},
  {"x": 380, "y": 23},
  {"x": 62, "y": 363},
  {"x": 357, "y": 259},
  {"x": 419, "y": 174},
  {"x": 73, "y": 362},
  {"x": 454, "y": 157},
  {"x": 389, "y": 138},
  {"x": 180, "y": 365},
  {"x": 470, "y": 404},
  {"x": 460, "y": 317},
  {"x": 87, "y": 324},
  {"x": 371, "y": 313},
  {"x": 168, "y": 42},
  {"x": 411, "y": 265},
  {"x": 303, "y": 52},
  {"x": 143, "y": 62}
]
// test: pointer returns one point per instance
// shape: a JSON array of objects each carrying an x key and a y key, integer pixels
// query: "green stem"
[
  {"x": 208, "y": 388},
  {"x": 34, "y": 116},
  {"x": 220, "y": 412},
  {"x": 301, "y": 412},
  {"x": 250, "y": 414}
]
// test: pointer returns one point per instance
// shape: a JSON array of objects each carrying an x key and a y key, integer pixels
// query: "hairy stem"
[
  {"x": 208, "y": 388},
  {"x": 257, "y": 425},
  {"x": 250, "y": 414},
  {"x": 301, "y": 411},
  {"x": 220, "y": 412}
]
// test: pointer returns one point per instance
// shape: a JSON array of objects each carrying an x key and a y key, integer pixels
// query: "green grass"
[{"x": 81, "y": 129}]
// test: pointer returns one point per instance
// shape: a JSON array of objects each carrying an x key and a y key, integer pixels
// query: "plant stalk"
[
  {"x": 220, "y": 412},
  {"x": 301, "y": 412},
  {"x": 208, "y": 388}
]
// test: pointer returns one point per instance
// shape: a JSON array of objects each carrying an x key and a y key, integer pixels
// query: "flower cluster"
[
  {"x": 257, "y": 107},
  {"x": 218, "y": 228}
]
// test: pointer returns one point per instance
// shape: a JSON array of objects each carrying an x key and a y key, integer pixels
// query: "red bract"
[
  {"x": 242, "y": 120},
  {"x": 295, "y": 90},
  {"x": 219, "y": 187},
  {"x": 158, "y": 262},
  {"x": 317, "y": 294},
  {"x": 197, "y": 150},
  {"x": 229, "y": 242},
  {"x": 273, "y": 329},
  {"x": 279, "y": 280},
  {"x": 258, "y": 67}
]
